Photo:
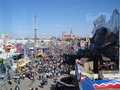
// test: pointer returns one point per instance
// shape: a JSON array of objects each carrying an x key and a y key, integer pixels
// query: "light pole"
[{"x": 17, "y": 87}]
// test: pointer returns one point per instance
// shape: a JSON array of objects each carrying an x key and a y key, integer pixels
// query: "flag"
[{"x": 82, "y": 78}]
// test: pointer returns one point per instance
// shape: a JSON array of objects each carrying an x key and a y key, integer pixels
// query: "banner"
[
  {"x": 107, "y": 84},
  {"x": 85, "y": 83}
]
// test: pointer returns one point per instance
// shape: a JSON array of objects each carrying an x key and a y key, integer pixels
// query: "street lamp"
[{"x": 17, "y": 87}]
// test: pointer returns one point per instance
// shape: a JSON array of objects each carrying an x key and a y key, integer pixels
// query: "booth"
[
  {"x": 22, "y": 63},
  {"x": 39, "y": 55}
]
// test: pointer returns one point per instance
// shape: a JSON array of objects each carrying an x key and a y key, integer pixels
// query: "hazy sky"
[{"x": 53, "y": 16}]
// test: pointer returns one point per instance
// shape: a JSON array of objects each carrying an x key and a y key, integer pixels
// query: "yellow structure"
[
  {"x": 22, "y": 63},
  {"x": 87, "y": 74}
]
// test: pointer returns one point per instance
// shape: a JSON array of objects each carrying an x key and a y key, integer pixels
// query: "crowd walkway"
[
  {"x": 26, "y": 84},
  {"x": 39, "y": 74}
]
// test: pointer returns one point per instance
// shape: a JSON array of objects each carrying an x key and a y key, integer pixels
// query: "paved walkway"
[{"x": 27, "y": 83}]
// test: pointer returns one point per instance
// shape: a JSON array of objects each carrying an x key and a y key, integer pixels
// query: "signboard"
[
  {"x": 112, "y": 76},
  {"x": 99, "y": 21}
]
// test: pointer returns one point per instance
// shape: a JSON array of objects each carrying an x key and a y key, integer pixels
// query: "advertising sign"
[{"x": 99, "y": 21}]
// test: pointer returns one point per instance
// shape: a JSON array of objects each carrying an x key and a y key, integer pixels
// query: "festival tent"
[{"x": 39, "y": 54}]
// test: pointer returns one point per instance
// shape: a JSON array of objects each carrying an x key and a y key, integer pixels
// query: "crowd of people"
[
  {"x": 51, "y": 65},
  {"x": 43, "y": 69}
]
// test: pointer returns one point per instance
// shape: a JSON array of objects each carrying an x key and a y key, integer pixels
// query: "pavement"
[{"x": 26, "y": 84}]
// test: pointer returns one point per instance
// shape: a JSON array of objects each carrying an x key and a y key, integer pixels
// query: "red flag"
[{"x": 82, "y": 78}]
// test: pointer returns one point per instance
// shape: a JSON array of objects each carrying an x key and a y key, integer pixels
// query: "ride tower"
[{"x": 35, "y": 32}]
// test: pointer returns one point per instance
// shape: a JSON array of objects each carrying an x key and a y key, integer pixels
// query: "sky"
[{"x": 53, "y": 16}]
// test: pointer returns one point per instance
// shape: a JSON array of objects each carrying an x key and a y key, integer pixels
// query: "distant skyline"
[{"x": 53, "y": 16}]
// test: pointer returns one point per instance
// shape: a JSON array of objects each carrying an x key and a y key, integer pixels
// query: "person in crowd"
[
  {"x": 2, "y": 77},
  {"x": 36, "y": 88},
  {"x": 32, "y": 88}
]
